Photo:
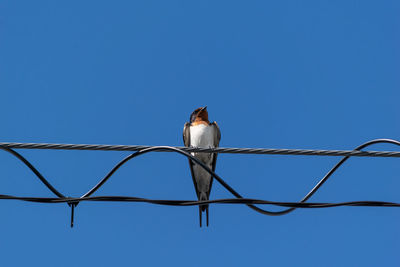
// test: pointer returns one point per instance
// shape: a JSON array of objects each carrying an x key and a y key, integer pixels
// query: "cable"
[
  {"x": 73, "y": 202},
  {"x": 241, "y": 201},
  {"x": 329, "y": 174},
  {"x": 264, "y": 151},
  {"x": 224, "y": 184},
  {"x": 33, "y": 169}
]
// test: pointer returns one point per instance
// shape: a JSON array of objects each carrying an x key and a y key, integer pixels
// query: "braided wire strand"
[{"x": 259, "y": 151}]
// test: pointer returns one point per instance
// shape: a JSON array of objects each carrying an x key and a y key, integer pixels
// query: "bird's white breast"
[{"x": 202, "y": 136}]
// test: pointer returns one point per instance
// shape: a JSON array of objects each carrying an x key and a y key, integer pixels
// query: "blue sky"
[{"x": 281, "y": 74}]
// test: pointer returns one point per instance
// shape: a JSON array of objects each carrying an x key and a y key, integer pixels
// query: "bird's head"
[{"x": 199, "y": 114}]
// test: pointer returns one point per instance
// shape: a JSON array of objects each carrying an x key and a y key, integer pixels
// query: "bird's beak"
[{"x": 204, "y": 108}]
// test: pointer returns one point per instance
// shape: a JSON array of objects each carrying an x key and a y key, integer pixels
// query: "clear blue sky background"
[{"x": 282, "y": 74}]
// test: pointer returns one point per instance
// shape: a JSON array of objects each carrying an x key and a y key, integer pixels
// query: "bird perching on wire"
[{"x": 199, "y": 132}]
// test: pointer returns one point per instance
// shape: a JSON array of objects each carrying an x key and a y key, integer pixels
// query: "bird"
[{"x": 199, "y": 132}]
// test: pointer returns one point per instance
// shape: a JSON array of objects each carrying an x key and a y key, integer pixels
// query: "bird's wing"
[
  {"x": 217, "y": 137},
  {"x": 186, "y": 141},
  {"x": 186, "y": 134},
  {"x": 217, "y": 134}
]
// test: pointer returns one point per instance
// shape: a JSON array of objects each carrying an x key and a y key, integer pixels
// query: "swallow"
[{"x": 199, "y": 132}]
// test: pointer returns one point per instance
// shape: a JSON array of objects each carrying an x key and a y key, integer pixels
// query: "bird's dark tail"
[
  {"x": 203, "y": 197},
  {"x": 200, "y": 213},
  {"x": 207, "y": 214},
  {"x": 201, "y": 209}
]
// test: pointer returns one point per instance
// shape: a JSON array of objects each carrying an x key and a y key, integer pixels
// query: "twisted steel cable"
[{"x": 230, "y": 150}]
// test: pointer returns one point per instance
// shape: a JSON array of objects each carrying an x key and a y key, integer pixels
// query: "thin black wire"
[
  {"x": 329, "y": 174},
  {"x": 33, "y": 169},
  {"x": 245, "y": 201},
  {"x": 224, "y": 184},
  {"x": 74, "y": 201},
  {"x": 188, "y": 155},
  {"x": 265, "y": 151}
]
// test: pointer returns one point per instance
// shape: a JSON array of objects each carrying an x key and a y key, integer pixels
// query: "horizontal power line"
[
  {"x": 169, "y": 202},
  {"x": 230, "y": 150}
]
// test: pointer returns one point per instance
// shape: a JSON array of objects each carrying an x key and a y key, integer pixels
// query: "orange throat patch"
[{"x": 199, "y": 121}]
